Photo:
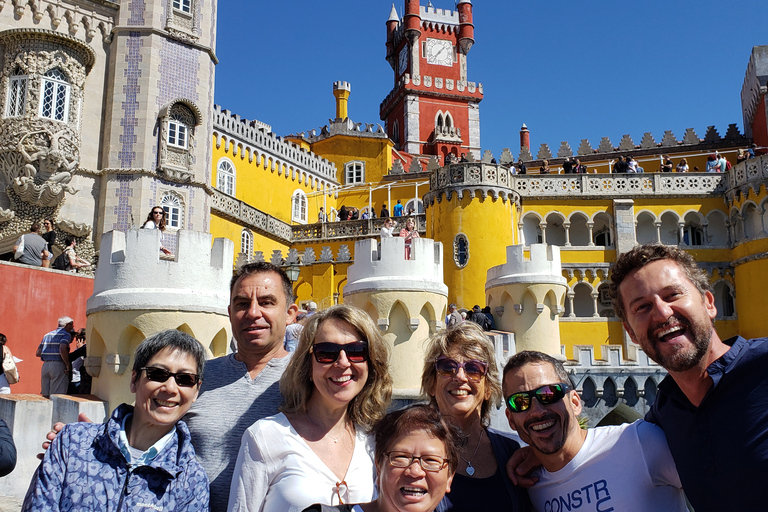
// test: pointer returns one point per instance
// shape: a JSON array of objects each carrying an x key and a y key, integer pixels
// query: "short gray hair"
[{"x": 64, "y": 320}]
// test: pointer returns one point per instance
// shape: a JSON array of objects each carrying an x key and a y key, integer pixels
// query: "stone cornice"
[
  {"x": 169, "y": 35},
  {"x": 87, "y": 55}
]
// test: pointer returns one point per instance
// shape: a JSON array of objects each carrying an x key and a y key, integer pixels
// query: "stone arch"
[
  {"x": 507, "y": 303},
  {"x": 399, "y": 321},
  {"x": 764, "y": 212},
  {"x": 340, "y": 287},
  {"x": 589, "y": 392},
  {"x": 578, "y": 231},
  {"x": 126, "y": 346},
  {"x": 717, "y": 229},
  {"x": 724, "y": 298},
  {"x": 645, "y": 232},
  {"x": 531, "y": 228},
  {"x": 583, "y": 306},
  {"x": 602, "y": 229},
  {"x": 427, "y": 314},
  {"x": 670, "y": 232},
  {"x": 218, "y": 345},
  {"x": 186, "y": 329},
  {"x": 550, "y": 301},
  {"x": 737, "y": 227},
  {"x": 753, "y": 222},
  {"x": 693, "y": 232},
  {"x": 649, "y": 391},
  {"x": 610, "y": 394},
  {"x": 630, "y": 392},
  {"x": 555, "y": 231},
  {"x": 96, "y": 345}
]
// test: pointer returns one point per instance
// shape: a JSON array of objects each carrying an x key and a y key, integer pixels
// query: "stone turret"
[
  {"x": 136, "y": 293},
  {"x": 526, "y": 297},
  {"x": 406, "y": 298},
  {"x": 342, "y": 90}
]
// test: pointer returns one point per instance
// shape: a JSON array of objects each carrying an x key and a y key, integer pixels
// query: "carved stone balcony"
[{"x": 351, "y": 229}]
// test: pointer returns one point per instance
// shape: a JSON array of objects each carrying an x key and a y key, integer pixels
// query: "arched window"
[
  {"x": 299, "y": 207},
  {"x": 354, "y": 172},
  {"x": 17, "y": 94},
  {"x": 439, "y": 122},
  {"x": 225, "y": 176},
  {"x": 174, "y": 210},
  {"x": 246, "y": 242},
  {"x": 180, "y": 121},
  {"x": 395, "y": 135},
  {"x": 414, "y": 204},
  {"x": 461, "y": 250},
  {"x": 54, "y": 96}
]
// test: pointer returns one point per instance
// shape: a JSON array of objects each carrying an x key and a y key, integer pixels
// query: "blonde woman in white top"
[{"x": 318, "y": 449}]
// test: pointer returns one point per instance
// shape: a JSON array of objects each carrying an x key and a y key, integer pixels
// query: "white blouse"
[{"x": 277, "y": 471}]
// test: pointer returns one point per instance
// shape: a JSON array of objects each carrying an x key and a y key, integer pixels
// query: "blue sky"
[{"x": 569, "y": 70}]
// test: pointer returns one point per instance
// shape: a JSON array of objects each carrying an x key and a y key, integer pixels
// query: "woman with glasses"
[
  {"x": 142, "y": 458},
  {"x": 461, "y": 378},
  {"x": 318, "y": 449},
  {"x": 156, "y": 220},
  {"x": 49, "y": 235},
  {"x": 417, "y": 452}
]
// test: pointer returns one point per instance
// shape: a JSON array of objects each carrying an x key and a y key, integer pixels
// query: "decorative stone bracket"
[
  {"x": 499, "y": 310},
  {"x": 93, "y": 365},
  {"x": 413, "y": 324},
  {"x": 518, "y": 309},
  {"x": 118, "y": 362},
  {"x": 383, "y": 324}
]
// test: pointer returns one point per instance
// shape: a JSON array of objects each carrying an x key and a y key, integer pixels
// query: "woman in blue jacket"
[{"x": 142, "y": 458}]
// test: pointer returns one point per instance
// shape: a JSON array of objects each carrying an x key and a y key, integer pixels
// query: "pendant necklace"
[{"x": 471, "y": 470}]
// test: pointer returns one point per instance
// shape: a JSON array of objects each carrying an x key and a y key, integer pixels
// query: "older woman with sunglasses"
[
  {"x": 318, "y": 450},
  {"x": 461, "y": 378},
  {"x": 142, "y": 458},
  {"x": 417, "y": 452},
  {"x": 156, "y": 220}
]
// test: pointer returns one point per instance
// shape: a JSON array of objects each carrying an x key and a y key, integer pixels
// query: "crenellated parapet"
[
  {"x": 407, "y": 299},
  {"x": 472, "y": 178},
  {"x": 344, "y": 126},
  {"x": 69, "y": 19},
  {"x": 430, "y": 86},
  {"x": 747, "y": 177},
  {"x": 254, "y": 140},
  {"x": 131, "y": 274},
  {"x": 755, "y": 87}
]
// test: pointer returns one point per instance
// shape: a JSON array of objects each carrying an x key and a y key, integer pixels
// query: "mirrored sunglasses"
[
  {"x": 327, "y": 353},
  {"x": 185, "y": 380},
  {"x": 546, "y": 395},
  {"x": 474, "y": 368}
]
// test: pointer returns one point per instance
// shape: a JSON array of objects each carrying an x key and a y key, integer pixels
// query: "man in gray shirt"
[
  {"x": 35, "y": 247},
  {"x": 241, "y": 388}
]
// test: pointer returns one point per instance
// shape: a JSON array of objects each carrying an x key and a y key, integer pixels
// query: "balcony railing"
[{"x": 352, "y": 229}]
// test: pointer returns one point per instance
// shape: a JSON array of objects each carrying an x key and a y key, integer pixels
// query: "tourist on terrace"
[
  {"x": 156, "y": 220},
  {"x": 142, "y": 458},
  {"x": 318, "y": 449},
  {"x": 5, "y": 387},
  {"x": 461, "y": 379},
  {"x": 417, "y": 452},
  {"x": 321, "y": 216},
  {"x": 712, "y": 163},
  {"x": 544, "y": 169},
  {"x": 409, "y": 233},
  {"x": 682, "y": 166},
  {"x": 742, "y": 156},
  {"x": 54, "y": 351},
  {"x": 384, "y": 212},
  {"x": 666, "y": 163},
  {"x": 35, "y": 247},
  {"x": 75, "y": 262},
  {"x": 387, "y": 228},
  {"x": 49, "y": 235}
]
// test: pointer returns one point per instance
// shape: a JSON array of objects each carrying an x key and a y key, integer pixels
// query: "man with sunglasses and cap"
[{"x": 626, "y": 467}]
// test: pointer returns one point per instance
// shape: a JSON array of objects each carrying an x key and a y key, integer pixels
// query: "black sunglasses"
[
  {"x": 327, "y": 353},
  {"x": 185, "y": 380},
  {"x": 546, "y": 395},
  {"x": 161, "y": 212},
  {"x": 474, "y": 368}
]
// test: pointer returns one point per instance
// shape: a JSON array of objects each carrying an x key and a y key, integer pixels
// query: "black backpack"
[{"x": 61, "y": 262}]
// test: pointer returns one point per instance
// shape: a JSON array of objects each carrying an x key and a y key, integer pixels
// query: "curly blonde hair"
[
  {"x": 370, "y": 405},
  {"x": 469, "y": 340}
]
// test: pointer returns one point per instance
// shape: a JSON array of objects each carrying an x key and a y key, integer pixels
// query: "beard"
[
  {"x": 557, "y": 443},
  {"x": 686, "y": 357}
]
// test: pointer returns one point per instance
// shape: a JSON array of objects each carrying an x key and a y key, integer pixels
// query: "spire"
[{"x": 393, "y": 14}]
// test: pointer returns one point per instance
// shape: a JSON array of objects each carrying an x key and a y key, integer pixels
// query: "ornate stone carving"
[
  {"x": 77, "y": 229},
  {"x": 6, "y": 215},
  {"x": 326, "y": 255}
]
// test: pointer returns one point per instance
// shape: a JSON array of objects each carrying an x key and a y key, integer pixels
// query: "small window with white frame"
[
  {"x": 246, "y": 242},
  {"x": 183, "y": 6},
  {"x": 174, "y": 210},
  {"x": 299, "y": 207},
  {"x": 17, "y": 94},
  {"x": 178, "y": 129},
  {"x": 225, "y": 176},
  {"x": 54, "y": 96},
  {"x": 354, "y": 172}
]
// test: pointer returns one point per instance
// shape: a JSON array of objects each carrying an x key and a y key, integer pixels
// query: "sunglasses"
[
  {"x": 328, "y": 353},
  {"x": 474, "y": 369},
  {"x": 158, "y": 213},
  {"x": 546, "y": 395},
  {"x": 184, "y": 380}
]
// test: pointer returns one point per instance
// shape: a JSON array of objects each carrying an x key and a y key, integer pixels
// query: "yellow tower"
[
  {"x": 342, "y": 91},
  {"x": 471, "y": 209}
]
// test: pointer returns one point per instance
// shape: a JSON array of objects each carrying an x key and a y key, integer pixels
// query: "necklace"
[
  {"x": 470, "y": 469},
  {"x": 334, "y": 439}
]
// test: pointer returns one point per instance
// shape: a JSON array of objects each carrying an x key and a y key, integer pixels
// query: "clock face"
[
  {"x": 403, "y": 60},
  {"x": 440, "y": 52}
]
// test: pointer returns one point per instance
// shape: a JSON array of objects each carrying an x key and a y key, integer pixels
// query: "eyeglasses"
[
  {"x": 327, "y": 353},
  {"x": 431, "y": 463},
  {"x": 474, "y": 369},
  {"x": 185, "y": 380},
  {"x": 546, "y": 395}
]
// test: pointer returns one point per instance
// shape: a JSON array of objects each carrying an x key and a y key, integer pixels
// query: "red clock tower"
[{"x": 432, "y": 109}]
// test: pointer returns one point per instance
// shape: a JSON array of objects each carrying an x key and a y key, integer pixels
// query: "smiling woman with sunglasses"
[
  {"x": 157, "y": 220},
  {"x": 461, "y": 378},
  {"x": 318, "y": 450},
  {"x": 142, "y": 458}
]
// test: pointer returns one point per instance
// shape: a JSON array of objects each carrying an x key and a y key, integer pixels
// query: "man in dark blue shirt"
[{"x": 713, "y": 405}]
